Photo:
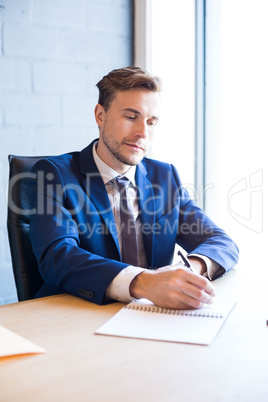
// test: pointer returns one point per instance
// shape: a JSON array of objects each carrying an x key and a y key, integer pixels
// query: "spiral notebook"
[{"x": 142, "y": 319}]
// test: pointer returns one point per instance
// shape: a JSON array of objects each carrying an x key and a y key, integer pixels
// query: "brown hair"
[{"x": 124, "y": 79}]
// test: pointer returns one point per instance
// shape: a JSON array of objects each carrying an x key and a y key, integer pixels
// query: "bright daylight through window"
[
  {"x": 236, "y": 104},
  {"x": 173, "y": 59}
]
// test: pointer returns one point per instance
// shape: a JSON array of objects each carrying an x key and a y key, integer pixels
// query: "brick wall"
[{"x": 52, "y": 53}]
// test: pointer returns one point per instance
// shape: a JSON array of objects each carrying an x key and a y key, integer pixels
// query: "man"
[{"x": 79, "y": 234}]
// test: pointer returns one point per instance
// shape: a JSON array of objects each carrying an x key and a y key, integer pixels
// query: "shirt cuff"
[
  {"x": 211, "y": 266},
  {"x": 119, "y": 287}
]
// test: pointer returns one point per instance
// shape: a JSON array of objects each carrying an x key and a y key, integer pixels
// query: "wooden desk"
[{"x": 81, "y": 366}]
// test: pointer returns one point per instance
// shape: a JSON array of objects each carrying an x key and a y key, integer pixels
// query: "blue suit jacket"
[{"x": 73, "y": 231}]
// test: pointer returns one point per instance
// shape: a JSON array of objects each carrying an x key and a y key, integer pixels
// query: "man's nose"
[{"x": 142, "y": 129}]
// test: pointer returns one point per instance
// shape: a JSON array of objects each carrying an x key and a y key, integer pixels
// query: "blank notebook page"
[{"x": 142, "y": 319}]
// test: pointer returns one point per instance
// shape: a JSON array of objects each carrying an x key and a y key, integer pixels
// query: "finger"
[
  {"x": 195, "y": 287},
  {"x": 197, "y": 294},
  {"x": 201, "y": 282},
  {"x": 185, "y": 302}
]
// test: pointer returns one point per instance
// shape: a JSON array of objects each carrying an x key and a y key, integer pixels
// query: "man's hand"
[{"x": 173, "y": 287}]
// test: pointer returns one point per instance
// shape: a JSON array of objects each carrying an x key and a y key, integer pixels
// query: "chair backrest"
[{"x": 27, "y": 277}]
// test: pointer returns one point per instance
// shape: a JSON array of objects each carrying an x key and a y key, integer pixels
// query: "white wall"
[{"x": 52, "y": 53}]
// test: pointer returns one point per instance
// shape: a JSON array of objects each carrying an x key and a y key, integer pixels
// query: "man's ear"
[{"x": 99, "y": 114}]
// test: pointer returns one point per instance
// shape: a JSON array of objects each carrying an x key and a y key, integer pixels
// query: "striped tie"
[{"x": 128, "y": 227}]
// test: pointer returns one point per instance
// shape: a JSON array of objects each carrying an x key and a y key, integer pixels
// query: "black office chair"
[{"x": 27, "y": 277}]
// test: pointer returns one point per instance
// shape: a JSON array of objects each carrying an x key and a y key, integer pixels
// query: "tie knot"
[{"x": 120, "y": 183}]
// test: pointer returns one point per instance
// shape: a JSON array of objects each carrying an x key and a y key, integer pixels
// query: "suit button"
[{"x": 88, "y": 294}]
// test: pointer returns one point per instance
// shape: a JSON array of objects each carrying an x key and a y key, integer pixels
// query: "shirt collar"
[{"x": 107, "y": 173}]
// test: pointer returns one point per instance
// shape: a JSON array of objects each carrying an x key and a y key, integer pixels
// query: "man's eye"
[
  {"x": 152, "y": 122},
  {"x": 131, "y": 117}
]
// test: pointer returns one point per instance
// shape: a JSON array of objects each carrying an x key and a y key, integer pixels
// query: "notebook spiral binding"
[{"x": 162, "y": 310}]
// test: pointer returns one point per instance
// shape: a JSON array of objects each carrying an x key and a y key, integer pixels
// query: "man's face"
[{"x": 127, "y": 128}]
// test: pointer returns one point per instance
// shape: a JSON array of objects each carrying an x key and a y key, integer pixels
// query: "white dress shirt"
[{"x": 119, "y": 287}]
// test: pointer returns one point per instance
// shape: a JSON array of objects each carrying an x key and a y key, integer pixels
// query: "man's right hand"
[{"x": 173, "y": 287}]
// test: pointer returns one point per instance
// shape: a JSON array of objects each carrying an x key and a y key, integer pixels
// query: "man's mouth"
[{"x": 135, "y": 146}]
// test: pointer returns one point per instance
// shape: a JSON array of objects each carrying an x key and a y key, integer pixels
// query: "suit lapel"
[
  {"x": 146, "y": 201},
  {"x": 96, "y": 191}
]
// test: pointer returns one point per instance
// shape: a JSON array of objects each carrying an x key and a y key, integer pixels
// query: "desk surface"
[{"x": 82, "y": 366}]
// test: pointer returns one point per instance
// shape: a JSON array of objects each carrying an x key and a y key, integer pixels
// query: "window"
[
  {"x": 235, "y": 84},
  {"x": 170, "y": 53},
  {"x": 236, "y": 117}
]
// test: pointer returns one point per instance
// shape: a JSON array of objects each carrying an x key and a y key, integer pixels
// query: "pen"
[{"x": 185, "y": 261}]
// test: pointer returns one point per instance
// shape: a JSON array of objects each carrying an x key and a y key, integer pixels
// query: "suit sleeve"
[
  {"x": 56, "y": 240},
  {"x": 198, "y": 234}
]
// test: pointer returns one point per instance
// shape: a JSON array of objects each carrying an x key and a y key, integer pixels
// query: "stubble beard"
[{"x": 114, "y": 148}]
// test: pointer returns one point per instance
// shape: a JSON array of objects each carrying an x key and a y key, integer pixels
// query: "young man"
[{"x": 81, "y": 235}]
